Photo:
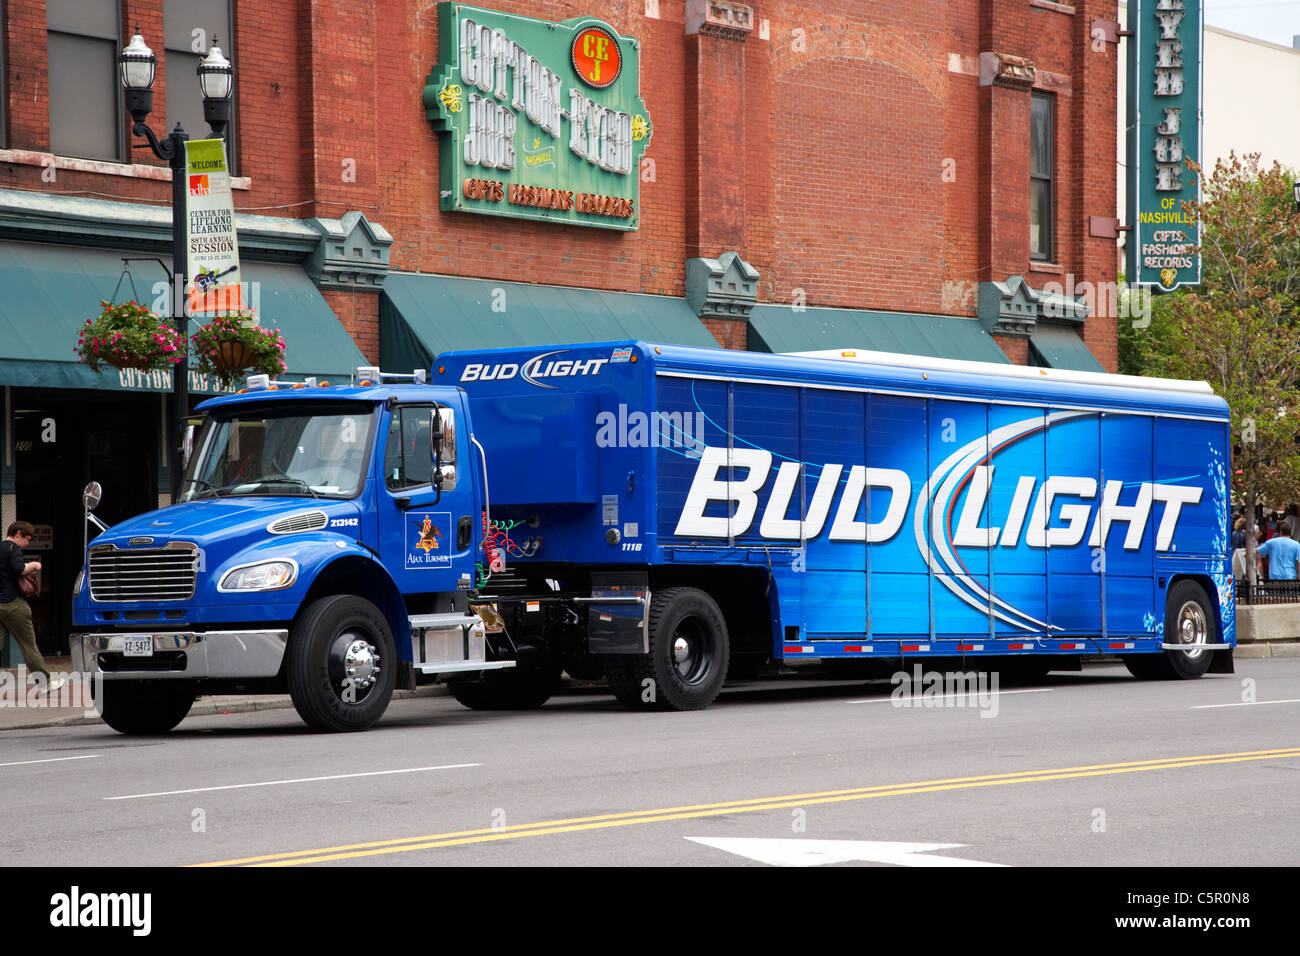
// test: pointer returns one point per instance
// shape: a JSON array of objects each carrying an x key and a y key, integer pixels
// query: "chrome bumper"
[{"x": 182, "y": 655}]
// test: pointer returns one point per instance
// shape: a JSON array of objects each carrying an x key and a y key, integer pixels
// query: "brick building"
[{"x": 804, "y": 175}]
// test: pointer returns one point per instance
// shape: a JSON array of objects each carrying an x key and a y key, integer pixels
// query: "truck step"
[{"x": 450, "y": 643}]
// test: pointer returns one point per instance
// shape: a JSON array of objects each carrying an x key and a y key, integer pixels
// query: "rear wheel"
[
  {"x": 142, "y": 707},
  {"x": 342, "y": 664},
  {"x": 688, "y": 657},
  {"x": 1190, "y": 623}
]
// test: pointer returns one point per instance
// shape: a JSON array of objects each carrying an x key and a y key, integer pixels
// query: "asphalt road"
[{"x": 1088, "y": 769}]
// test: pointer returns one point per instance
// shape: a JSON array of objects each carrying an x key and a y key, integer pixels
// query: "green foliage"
[
  {"x": 264, "y": 348},
  {"x": 129, "y": 336}
]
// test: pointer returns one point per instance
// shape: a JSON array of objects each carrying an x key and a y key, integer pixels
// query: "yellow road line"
[{"x": 638, "y": 817}]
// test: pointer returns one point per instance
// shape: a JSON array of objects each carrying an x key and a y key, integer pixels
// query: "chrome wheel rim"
[
  {"x": 692, "y": 651},
  {"x": 1192, "y": 629},
  {"x": 354, "y": 665}
]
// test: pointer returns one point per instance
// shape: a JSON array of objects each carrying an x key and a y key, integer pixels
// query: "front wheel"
[
  {"x": 687, "y": 663},
  {"x": 342, "y": 664},
  {"x": 142, "y": 707}
]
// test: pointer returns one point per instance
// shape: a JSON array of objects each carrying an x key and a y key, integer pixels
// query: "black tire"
[
  {"x": 1189, "y": 620},
  {"x": 688, "y": 657},
  {"x": 522, "y": 687},
  {"x": 142, "y": 707},
  {"x": 333, "y": 634}
]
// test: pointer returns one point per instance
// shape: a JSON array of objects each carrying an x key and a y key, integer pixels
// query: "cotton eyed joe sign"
[{"x": 539, "y": 120}]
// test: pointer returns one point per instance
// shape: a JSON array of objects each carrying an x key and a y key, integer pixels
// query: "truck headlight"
[
  {"x": 76, "y": 585},
  {"x": 264, "y": 576}
]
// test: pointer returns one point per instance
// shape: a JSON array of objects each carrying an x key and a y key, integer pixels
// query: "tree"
[{"x": 1240, "y": 331}]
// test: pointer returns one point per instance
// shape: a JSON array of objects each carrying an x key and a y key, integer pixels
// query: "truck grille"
[{"x": 157, "y": 574}]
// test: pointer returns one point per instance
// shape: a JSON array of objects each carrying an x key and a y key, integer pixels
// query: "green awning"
[
  {"x": 780, "y": 328},
  {"x": 1056, "y": 346},
  {"x": 421, "y": 316},
  {"x": 48, "y": 291}
]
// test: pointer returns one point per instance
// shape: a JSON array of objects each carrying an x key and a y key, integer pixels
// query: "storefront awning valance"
[
  {"x": 48, "y": 291},
  {"x": 1057, "y": 346},
  {"x": 777, "y": 328},
  {"x": 421, "y": 316}
]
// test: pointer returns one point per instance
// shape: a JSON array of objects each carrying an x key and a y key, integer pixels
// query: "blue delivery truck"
[{"x": 663, "y": 516}]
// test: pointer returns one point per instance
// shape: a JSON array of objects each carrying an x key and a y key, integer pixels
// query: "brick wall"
[{"x": 852, "y": 156}]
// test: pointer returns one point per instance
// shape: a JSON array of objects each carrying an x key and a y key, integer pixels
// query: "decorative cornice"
[
  {"x": 1015, "y": 308},
  {"x": 721, "y": 288},
  {"x": 352, "y": 254},
  {"x": 723, "y": 19},
  {"x": 1006, "y": 70}
]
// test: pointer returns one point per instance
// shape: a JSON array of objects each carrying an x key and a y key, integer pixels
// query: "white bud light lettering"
[
  {"x": 1174, "y": 497},
  {"x": 1038, "y": 535},
  {"x": 1135, "y": 515},
  {"x": 708, "y": 487},
  {"x": 776, "y": 525},
  {"x": 860, "y": 479},
  {"x": 969, "y": 533}
]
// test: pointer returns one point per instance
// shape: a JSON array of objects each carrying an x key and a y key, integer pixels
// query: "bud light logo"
[
  {"x": 535, "y": 371},
  {"x": 1045, "y": 511}
]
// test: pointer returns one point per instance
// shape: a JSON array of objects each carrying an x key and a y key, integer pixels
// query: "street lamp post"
[{"x": 216, "y": 79}]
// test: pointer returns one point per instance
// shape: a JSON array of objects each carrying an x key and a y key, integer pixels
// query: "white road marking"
[
  {"x": 973, "y": 693},
  {"x": 276, "y": 783},
  {"x": 1246, "y": 703},
  {"x": 796, "y": 852},
  {"x": 21, "y": 763}
]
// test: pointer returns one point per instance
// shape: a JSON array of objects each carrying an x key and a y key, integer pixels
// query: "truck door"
[{"x": 427, "y": 541}]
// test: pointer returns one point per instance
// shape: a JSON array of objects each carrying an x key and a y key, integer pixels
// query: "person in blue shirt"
[{"x": 1283, "y": 555}]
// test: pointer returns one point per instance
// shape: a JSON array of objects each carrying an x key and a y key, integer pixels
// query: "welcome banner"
[{"x": 212, "y": 248}]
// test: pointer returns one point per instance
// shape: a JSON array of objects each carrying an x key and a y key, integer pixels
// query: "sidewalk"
[{"x": 42, "y": 715}]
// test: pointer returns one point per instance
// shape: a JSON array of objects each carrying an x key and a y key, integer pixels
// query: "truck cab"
[{"x": 324, "y": 543}]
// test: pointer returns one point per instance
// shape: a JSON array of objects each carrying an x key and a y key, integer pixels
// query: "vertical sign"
[
  {"x": 212, "y": 250},
  {"x": 1164, "y": 131},
  {"x": 540, "y": 120}
]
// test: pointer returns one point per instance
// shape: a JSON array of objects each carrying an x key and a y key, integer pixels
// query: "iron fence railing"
[{"x": 1269, "y": 592}]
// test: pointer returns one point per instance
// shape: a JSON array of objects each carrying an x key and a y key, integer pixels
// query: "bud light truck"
[{"x": 663, "y": 516}]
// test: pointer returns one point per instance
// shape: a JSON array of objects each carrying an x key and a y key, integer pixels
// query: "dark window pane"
[
  {"x": 417, "y": 444},
  {"x": 1040, "y": 136},
  {"x": 1040, "y": 218},
  {"x": 184, "y": 97},
  {"x": 86, "y": 17},
  {"x": 182, "y": 17},
  {"x": 83, "y": 111}
]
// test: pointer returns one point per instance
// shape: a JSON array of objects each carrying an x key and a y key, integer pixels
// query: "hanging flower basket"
[
  {"x": 129, "y": 336},
  {"x": 232, "y": 356},
  {"x": 230, "y": 345}
]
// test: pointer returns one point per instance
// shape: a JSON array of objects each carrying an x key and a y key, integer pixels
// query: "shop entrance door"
[{"x": 60, "y": 443}]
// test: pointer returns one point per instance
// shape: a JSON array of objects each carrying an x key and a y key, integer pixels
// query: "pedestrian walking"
[{"x": 15, "y": 612}]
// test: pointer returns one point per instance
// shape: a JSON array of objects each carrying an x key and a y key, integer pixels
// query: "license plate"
[{"x": 137, "y": 647}]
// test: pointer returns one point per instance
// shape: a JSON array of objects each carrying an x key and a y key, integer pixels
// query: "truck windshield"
[{"x": 246, "y": 450}]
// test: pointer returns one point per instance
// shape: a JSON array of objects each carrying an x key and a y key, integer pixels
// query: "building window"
[
  {"x": 83, "y": 39},
  {"x": 188, "y": 29},
  {"x": 1042, "y": 161}
]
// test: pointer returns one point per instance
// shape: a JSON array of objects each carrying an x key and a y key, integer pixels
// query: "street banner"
[
  {"x": 212, "y": 248},
  {"x": 1164, "y": 131}
]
